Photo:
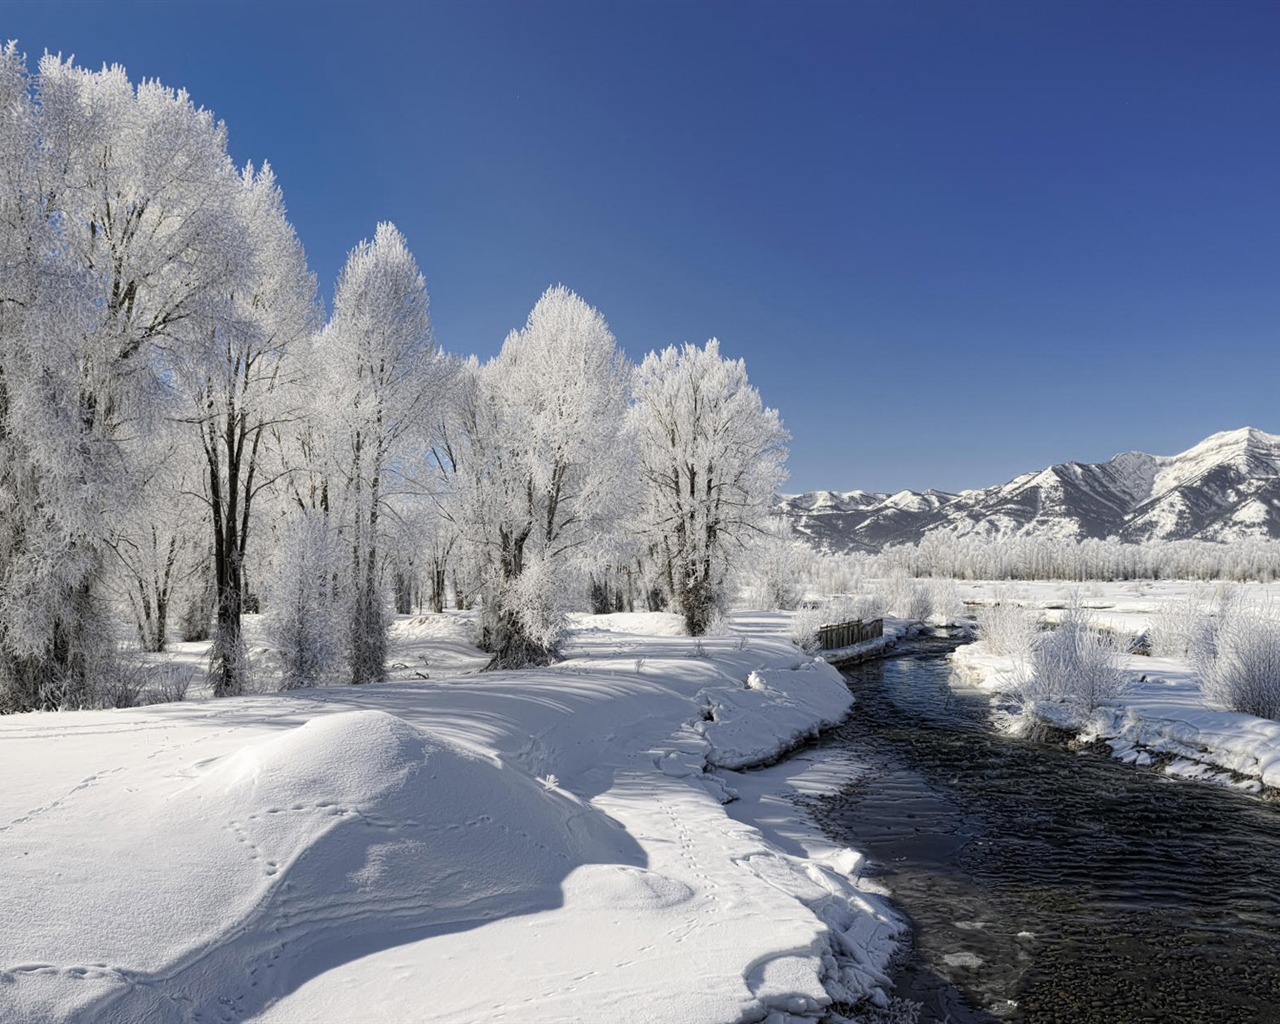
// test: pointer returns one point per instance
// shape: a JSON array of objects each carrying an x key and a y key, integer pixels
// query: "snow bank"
[
  {"x": 348, "y": 826},
  {"x": 533, "y": 846},
  {"x": 770, "y": 712},
  {"x": 1161, "y": 720}
]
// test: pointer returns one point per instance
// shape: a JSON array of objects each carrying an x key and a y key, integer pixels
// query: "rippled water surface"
[{"x": 1047, "y": 885}]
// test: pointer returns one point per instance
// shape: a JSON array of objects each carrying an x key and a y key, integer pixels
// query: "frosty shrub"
[
  {"x": 1237, "y": 655},
  {"x": 166, "y": 684},
  {"x": 803, "y": 631},
  {"x": 120, "y": 685},
  {"x": 1177, "y": 627},
  {"x": 535, "y": 603},
  {"x": 305, "y": 618},
  {"x": 944, "y": 596},
  {"x": 1009, "y": 630},
  {"x": 1076, "y": 663},
  {"x": 778, "y": 567},
  {"x": 906, "y": 598}
]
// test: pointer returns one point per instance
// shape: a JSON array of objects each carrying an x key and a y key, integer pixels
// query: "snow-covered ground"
[
  {"x": 1162, "y": 718},
  {"x": 546, "y": 845}
]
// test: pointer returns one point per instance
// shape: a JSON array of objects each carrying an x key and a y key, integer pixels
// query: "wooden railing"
[{"x": 846, "y": 634}]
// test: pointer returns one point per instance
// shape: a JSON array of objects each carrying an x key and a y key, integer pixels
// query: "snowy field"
[
  {"x": 547, "y": 845},
  {"x": 1162, "y": 717}
]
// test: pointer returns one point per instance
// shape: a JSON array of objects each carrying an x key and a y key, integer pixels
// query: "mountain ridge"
[{"x": 1226, "y": 487}]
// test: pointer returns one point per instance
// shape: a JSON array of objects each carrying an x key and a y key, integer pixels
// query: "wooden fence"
[{"x": 846, "y": 634}]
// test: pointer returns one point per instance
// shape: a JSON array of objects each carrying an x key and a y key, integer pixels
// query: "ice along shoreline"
[{"x": 1161, "y": 721}]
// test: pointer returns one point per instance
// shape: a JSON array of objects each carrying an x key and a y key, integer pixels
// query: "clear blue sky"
[{"x": 952, "y": 241}]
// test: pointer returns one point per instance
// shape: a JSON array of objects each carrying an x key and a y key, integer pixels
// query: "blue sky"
[{"x": 953, "y": 242}]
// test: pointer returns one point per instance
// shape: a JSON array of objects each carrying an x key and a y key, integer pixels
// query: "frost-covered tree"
[
  {"x": 242, "y": 385},
  {"x": 119, "y": 254},
  {"x": 45, "y": 562},
  {"x": 303, "y": 618},
  {"x": 157, "y": 543},
  {"x": 452, "y": 480},
  {"x": 383, "y": 375},
  {"x": 712, "y": 459},
  {"x": 545, "y": 469},
  {"x": 779, "y": 564}
]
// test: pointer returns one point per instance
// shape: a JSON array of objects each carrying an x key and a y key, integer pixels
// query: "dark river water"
[{"x": 1048, "y": 885}]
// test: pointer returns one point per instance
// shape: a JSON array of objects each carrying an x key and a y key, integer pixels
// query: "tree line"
[
  {"x": 186, "y": 437},
  {"x": 972, "y": 557}
]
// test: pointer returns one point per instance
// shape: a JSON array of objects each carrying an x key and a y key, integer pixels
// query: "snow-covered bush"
[
  {"x": 536, "y": 600},
  {"x": 1077, "y": 663},
  {"x": 906, "y": 598},
  {"x": 305, "y": 617},
  {"x": 166, "y": 684},
  {"x": 1237, "y": 655},
  {"x": 122, "y": 687},
  {"x": 803, "y": 631},
  {"x": 947, "y": 605},
  {"x": 1008, "y": 629},
  {"x": 778, "y": 567},
  {"x": 1177, "y": 627}
]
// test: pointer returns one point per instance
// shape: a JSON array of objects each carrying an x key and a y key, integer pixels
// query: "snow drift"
[
  {"x": 545, "y": 845},
  {"x": 353, "y": 830}
]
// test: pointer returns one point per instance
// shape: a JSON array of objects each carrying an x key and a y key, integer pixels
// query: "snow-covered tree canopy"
[
  {"x": 124, "y": 244},
  {"x": 547, "y": 466},
  {"x": 383, "y": 377},
  {"x": 169, "y": 400},
  {"x": 712, "y": 458}
]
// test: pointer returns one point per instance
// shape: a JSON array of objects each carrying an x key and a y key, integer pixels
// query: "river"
[{"x": 1048, "y": 885}]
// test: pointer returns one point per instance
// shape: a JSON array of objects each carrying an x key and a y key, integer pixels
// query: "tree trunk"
[
  {"x": 404, "y": 593},
  {"x": 437, "y": 589}
]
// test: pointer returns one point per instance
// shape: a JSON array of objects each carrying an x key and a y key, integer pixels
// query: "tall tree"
[
  {"x": 547, "y": 463},
  {"x": 242, "y": 386},
  {"x": 712, "y": 457},
  {"x": 383, "y": 376},
  {"x": 121, "y": 201},
  {"x": 43, "y": 563}
]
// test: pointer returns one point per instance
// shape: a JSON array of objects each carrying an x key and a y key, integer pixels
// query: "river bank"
[
  {"x": 1161, "y": 720},
  {"x": 553, "y": 844}
]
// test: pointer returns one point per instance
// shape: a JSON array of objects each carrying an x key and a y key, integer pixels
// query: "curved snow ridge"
[
  {"x": 853, "y": 935},
  {"x": 774, "y": 710},
  {"x": 349, "y": 830},
  {"x": 848, "y": 959}
]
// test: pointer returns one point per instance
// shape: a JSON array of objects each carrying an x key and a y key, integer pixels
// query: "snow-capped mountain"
[{"x": 1224, "y": 488}]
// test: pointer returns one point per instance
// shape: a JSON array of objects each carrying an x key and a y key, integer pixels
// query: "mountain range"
[{"x": 1225, "y": 488}]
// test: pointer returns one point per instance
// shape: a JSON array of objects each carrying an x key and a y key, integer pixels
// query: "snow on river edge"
[
  {"x": 544, "y": 845},
  {"x": 1161, "y": 720}
]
